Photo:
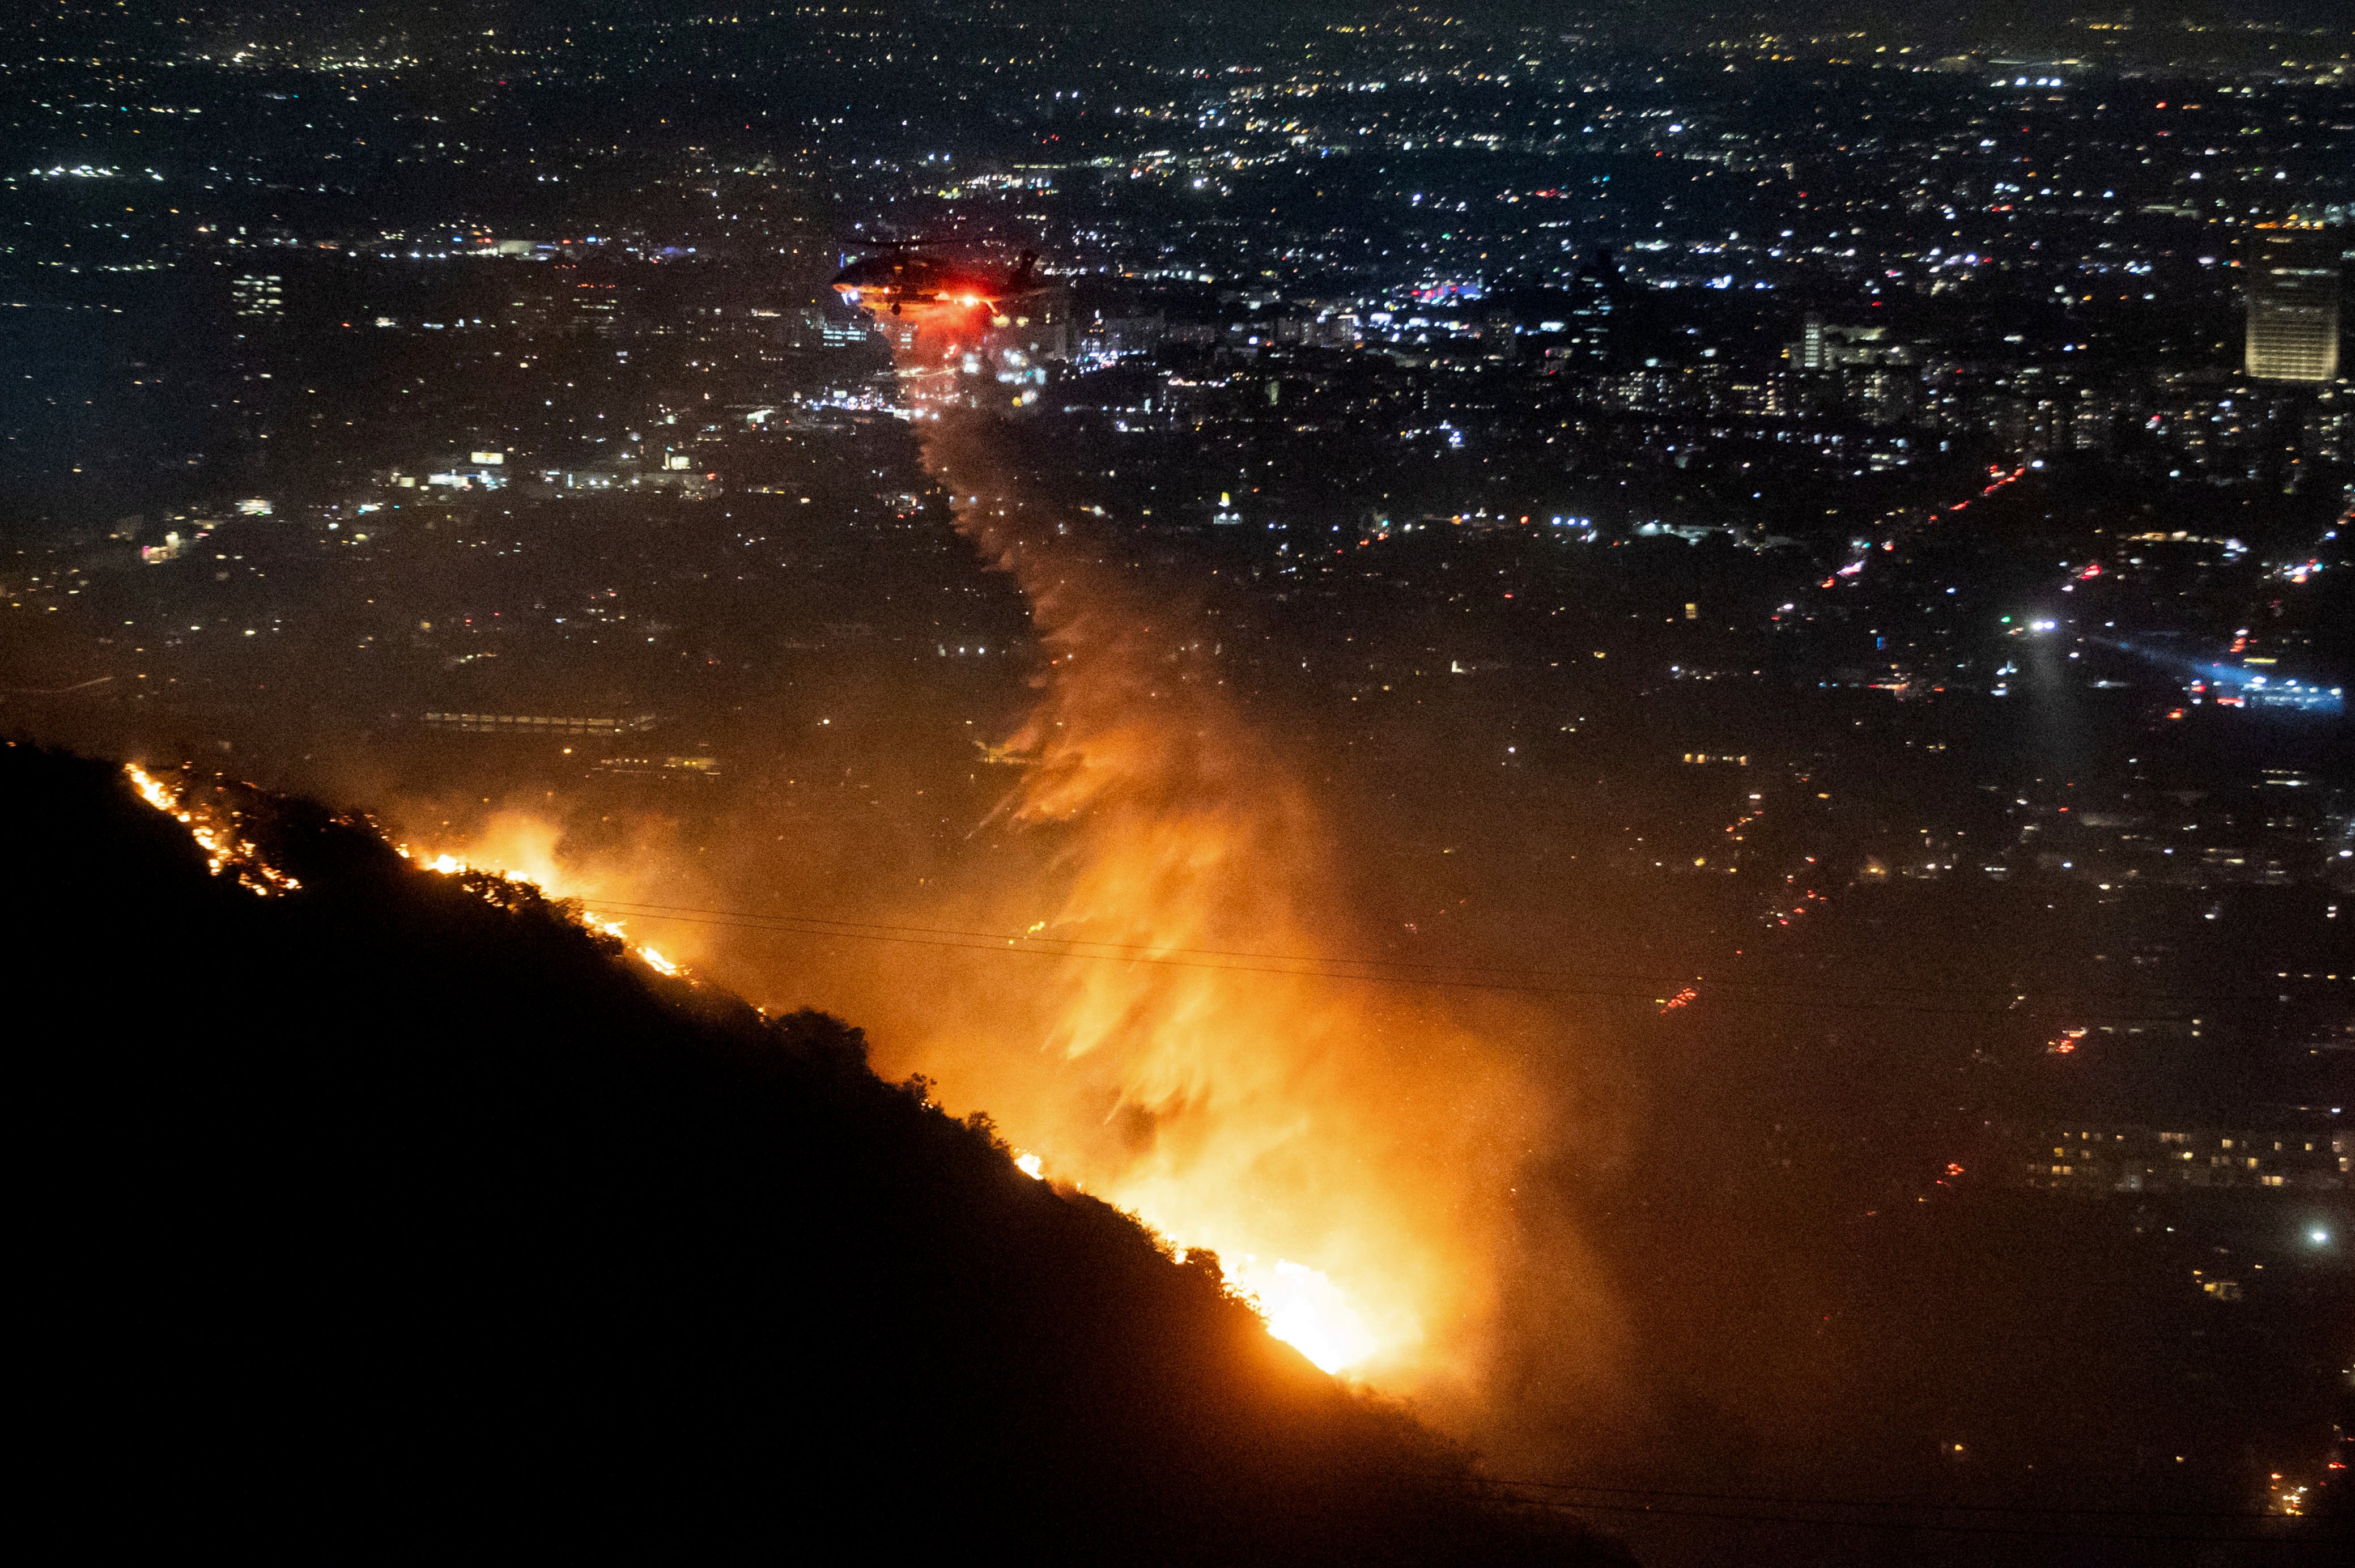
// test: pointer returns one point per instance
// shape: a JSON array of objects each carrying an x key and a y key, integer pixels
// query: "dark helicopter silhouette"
[{"x": 900, "y": 276}]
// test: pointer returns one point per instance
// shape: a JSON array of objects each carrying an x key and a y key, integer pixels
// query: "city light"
[{"x": 1365, "y": 712}]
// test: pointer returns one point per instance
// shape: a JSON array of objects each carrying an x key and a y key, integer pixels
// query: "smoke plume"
[{"x": 1350, "y": 1151}]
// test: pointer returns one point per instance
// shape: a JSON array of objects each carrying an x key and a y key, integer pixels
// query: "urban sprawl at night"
[{"x": 1647, "y": 704}]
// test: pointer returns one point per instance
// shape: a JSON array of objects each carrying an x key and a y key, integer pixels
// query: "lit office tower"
[
  {"x": 256, "y": 294},
  {"x": 2290, "y": 277}
]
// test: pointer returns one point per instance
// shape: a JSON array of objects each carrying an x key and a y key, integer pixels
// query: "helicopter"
[{"x": 901, "y": 276}]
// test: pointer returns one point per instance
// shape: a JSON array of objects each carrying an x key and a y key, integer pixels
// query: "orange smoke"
[{"x": 1350, "y": 1154}]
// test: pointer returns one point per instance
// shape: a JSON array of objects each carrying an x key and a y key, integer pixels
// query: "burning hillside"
[{"x": 393, "y": 1199}]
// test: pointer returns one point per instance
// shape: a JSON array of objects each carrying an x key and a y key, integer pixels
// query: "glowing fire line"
[
  {"x": 449, "y": 865},
  {"x": 224, "y": 849},
  {"x": 1301, "y": 1305}
]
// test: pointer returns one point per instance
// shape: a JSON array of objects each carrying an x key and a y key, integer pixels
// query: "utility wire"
[
  {"x": 2016, "y": 1531},
  {"x": 1149, "y": 948},
  {"x": 1897, "y": 1503},
  {"x": 1364, "y": 969}
]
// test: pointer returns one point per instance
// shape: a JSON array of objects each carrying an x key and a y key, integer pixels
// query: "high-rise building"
[
  {"x": 1826, "y": 347},
  {"x": 257, "y": 294},
  {"x": 2290, "y": 279},
  {"x": 1595, "y": 295}
]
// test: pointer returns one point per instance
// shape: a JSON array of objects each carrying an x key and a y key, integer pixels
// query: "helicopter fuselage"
[{"x": 894, "y": 281}]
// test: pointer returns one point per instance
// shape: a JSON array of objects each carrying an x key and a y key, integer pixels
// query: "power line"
[
  {"x": 1367, "y": 970},
  {"x": 1314, "y": 968},
  {"x": 1901, "y": 1503},
  {"x": 1030, "y": 946},
  {"x": 1149, "y": 948},
  {"x": 2047, "y": 1533},
  {"x": 778, "y": 926}
]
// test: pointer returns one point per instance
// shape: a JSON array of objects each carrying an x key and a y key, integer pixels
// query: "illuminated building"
[
  {"x": 537, "y": 724},
  {"x": 2147, "y": 1159},
  {"x": 1593, "y": 298},
  {"x": 1825, "y": 347},
  {"x": 2291, "y": 285},
  {"x": 257, "y": 294}
]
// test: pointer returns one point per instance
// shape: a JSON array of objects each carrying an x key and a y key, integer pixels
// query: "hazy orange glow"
[
  {"x": 1350, "y": 1152},
  {"x": 1350, "y": 1155}
]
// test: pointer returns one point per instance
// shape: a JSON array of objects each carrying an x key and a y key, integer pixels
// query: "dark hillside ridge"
[{"x": 401, "y": 1211}]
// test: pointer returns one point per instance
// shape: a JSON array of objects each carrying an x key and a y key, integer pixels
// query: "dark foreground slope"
[{"x": 379, "y": 1216}]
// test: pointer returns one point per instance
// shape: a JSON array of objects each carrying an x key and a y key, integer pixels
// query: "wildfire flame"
[
  {"x": 225, "y": 848},
  {"x": 1365, "y": 1144},
  {"x": 523, "y": 848},
  {"x": 1306, "y": 1311}
]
